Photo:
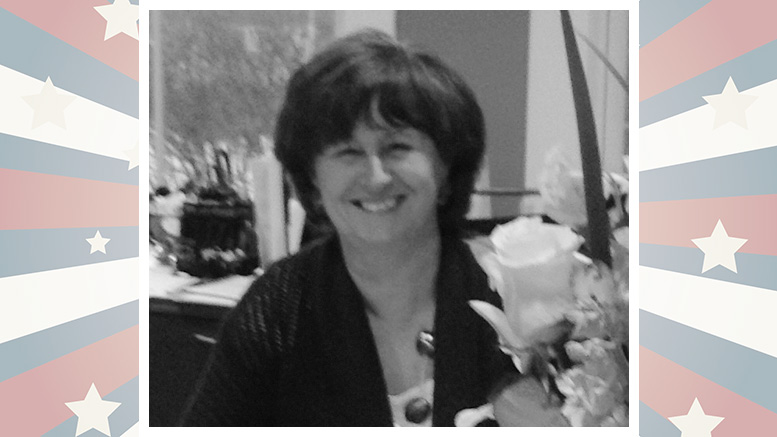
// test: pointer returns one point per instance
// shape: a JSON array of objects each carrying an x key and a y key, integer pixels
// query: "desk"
[
  {"x": 185, "y": 316},
  {"x": 172, "y": 292}
]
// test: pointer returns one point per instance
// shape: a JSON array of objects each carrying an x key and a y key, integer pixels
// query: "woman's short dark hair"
[{"x": 327, "y": 97}]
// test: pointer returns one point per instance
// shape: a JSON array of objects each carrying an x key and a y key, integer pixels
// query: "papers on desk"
[
  {"x": 166, "y": 283},
  {"x": 164, "y": 280}
]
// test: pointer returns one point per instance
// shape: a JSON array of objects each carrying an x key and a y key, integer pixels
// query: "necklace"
[{"x": 418, "y": 409}]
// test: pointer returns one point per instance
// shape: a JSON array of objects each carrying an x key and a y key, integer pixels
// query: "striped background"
[
  {"x": 68, "y": 317},
  {"x": 708, "y": 336}
]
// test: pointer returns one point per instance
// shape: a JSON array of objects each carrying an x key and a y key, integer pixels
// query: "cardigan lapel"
[
  {"x": 355, "y": 376},
  {"x": 458, "y": 337}
]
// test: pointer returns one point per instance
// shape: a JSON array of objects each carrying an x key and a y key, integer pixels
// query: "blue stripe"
[
  {"x": 658, "y": 16},
  {"x": 652, "y": 424},
  {"x": 41, "y": 347},
  {"x": 751, "y": 69},
  {"x": 742, "y": 370},
  {"x": 742, "y": 174},
  {"x": 18, "y": 153},
  {"x": 36, "y": 250},
  {"x": 36, "y": 53},
  {"x": 120, "y": 420},
  {"x": 754, "y": 270}
]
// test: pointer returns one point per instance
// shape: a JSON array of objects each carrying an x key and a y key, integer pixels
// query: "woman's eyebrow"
[{"x": 408, "y": 133}]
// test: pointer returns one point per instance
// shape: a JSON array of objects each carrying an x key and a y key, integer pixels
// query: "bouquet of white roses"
[
  {"x": 565, "y": 317},
  {"x": 564, "y": 289}
]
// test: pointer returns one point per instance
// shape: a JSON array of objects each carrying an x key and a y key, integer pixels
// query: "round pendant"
[
  {"x": 425, "y": 343},
  {"x": 417, "y": 410}
]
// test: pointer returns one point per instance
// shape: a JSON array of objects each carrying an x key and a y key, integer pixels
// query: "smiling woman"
[{"x": 369, "y": 326}]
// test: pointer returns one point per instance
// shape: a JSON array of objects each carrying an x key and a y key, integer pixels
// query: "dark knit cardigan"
[{"x": 298, "y": 350}]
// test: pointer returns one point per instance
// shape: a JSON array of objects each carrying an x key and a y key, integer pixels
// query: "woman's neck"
[{"x": 396, "y": 279}]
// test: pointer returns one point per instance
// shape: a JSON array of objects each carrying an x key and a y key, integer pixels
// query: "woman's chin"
[
  {"x": 389, "y": 235},
  {"x": 380, "y": 237}
]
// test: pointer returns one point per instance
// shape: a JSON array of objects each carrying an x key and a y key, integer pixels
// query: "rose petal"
[
  {"x": 529, "y": 241},
  {"x": 498, "y": 320},
  {"x": 484, "y": 254}
]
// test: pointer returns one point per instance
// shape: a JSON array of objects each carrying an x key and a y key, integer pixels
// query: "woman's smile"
[{"x": 386, "y": 205}]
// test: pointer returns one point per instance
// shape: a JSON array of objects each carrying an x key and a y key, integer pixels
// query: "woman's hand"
[{"x": 525, "y": 403}]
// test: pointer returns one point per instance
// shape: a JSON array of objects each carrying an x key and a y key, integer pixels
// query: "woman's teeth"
[{"x": 378, "y": 206}]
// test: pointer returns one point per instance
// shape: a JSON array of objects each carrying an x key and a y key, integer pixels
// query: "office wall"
[
  {"x": 551, "y": 121},
  {"x": 346, "y": 22},
  {"x": 489, "y": 48}
]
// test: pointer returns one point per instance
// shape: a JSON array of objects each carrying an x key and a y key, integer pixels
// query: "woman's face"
[{"x": 381, "y": 185}]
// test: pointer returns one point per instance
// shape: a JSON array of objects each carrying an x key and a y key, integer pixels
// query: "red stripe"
[
  {"x": 720, "y": 31},
  {"x": 77, "y": 23},
  {"x": 40, "y": 201},
  {"x": 669, "y": 389},
  {"x": 34, "y": 402},
  {"x": 677, "y": 222}
]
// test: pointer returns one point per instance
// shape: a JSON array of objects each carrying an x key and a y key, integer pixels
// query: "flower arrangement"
[
  {"x": 565, "y": 318},
  {"x": 564, "y": 288}
]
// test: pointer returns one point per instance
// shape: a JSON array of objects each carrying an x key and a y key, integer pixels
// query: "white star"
[
  {"x": 719, "y": 249},
  {"x": 93, "y": 412},
  {"x": 121, "y": 16},
  {"x": 49, "y": 105},
  {"x": 730, "y": 106},
  {"x": 132, "y": 156},
  {"x": 98, "y": 243},
  {"x": 696, "y": 423}
]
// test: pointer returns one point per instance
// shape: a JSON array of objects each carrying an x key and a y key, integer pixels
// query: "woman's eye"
[
  {"x": 400, "y": 147},
  {"x": 348, "y": 152}
]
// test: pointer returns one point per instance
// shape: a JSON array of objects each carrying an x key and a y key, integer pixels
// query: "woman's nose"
[{"x": 378, "y": 174}]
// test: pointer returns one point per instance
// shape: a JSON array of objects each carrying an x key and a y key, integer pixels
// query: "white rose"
[{"x": 531, "y": 267}]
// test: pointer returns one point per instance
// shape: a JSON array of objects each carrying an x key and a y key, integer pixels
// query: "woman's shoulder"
[
  {"x": 271, "y": 311},
  {"x": 272, "y": 306},
  {"x": 290, "y": 275}
]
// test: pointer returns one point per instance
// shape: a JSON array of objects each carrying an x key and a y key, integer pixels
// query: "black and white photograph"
[{"x": 403, "y": 218}]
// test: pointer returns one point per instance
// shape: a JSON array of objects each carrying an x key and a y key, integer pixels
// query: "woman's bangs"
[
  {"x": 337, "y": 114},
  {"x": 401, "y": 103},
  {"x": 403, "y": 100}
]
